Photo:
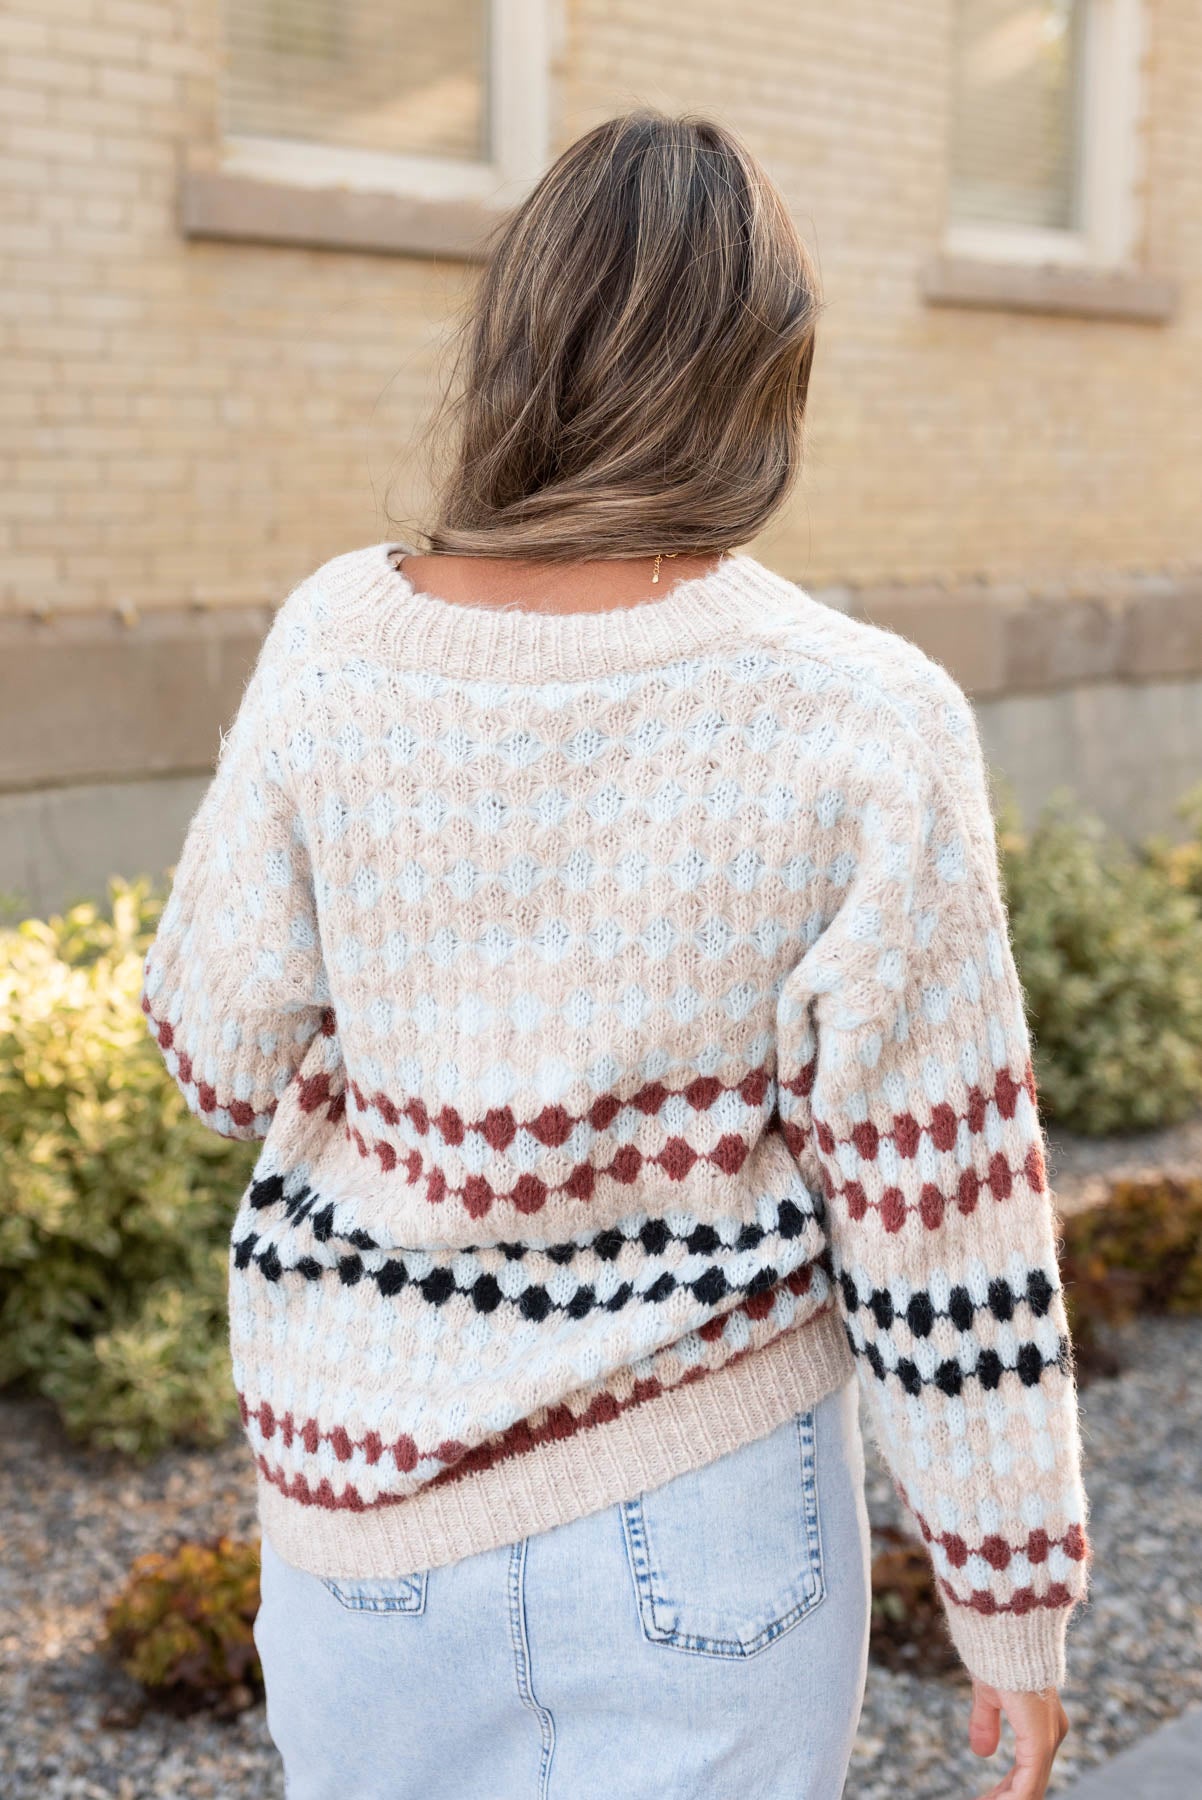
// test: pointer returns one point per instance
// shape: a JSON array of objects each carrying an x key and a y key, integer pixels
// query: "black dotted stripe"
[
  {"x": 654, "y": 1235},
  {"x": 952, "y": 1375},
  {"x": 920, "y": 1312},
  {"x": 709, "y": 1289}
]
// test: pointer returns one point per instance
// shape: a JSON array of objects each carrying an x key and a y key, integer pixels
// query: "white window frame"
[
  {"x": 518, "y": 116},
  {"x": 1110, "y": 139}
]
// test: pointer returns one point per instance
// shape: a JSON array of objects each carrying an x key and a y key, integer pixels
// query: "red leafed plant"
[
  {"x": 182, "y": 1626},
  {"x": 1139, "y": 1252}
]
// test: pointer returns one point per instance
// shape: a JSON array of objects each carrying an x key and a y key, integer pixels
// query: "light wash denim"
[{"x": 704, "y": 1641}]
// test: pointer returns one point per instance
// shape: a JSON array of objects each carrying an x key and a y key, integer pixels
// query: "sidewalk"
[{"x": 1165, "y": 1766}]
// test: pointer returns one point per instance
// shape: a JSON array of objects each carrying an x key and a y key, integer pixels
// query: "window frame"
[
  {"x": 335, "y": 196},
  {"x": 1111, "y": 97}
]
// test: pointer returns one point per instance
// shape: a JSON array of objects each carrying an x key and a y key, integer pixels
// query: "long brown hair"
[{"x": 635, "y": 362}]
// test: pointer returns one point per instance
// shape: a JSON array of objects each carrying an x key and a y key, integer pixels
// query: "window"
[
  {"x": 374, "y": 124},
  {"x": 407, "y": 80},
  {"x": 1043, "y": 130}
]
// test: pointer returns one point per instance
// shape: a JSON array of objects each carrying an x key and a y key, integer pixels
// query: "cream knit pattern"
[{"x": 625, "y": 1004}]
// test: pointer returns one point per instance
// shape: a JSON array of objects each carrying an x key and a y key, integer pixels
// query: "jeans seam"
[
  {"x": 521, "y": 1660},
  {"x": 807, "y": 1426}
]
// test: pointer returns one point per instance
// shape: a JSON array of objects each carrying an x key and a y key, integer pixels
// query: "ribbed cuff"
[{"x": 1020, "y": 1654}]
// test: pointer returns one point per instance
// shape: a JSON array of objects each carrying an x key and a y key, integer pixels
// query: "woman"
[{"x": 605, "y": 940}]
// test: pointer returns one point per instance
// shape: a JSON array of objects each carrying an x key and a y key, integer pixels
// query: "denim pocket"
[
  {"x": 726, "y": 1558},
  {"x": 379, "y": 1593}
]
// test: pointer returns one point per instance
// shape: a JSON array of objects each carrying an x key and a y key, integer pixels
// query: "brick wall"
[
  {"x": 197, "y": 421},
  {"x": 188, "y": 421},
  {"x": 943, "y": 441}
]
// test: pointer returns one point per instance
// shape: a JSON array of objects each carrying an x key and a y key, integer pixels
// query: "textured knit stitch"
[{"x": 626, "y": 1005}]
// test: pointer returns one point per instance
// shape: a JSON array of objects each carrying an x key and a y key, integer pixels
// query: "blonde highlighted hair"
[{"x": 635, "y": 362}]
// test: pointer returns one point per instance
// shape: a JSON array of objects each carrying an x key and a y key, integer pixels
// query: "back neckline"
[{"x": 514, "y": 642}]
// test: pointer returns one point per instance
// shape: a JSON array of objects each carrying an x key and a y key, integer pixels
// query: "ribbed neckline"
[{"x": 517, "y": 643}]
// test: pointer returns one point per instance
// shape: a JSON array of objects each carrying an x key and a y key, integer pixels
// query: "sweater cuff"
[{"x": 1019, "y": 1653}]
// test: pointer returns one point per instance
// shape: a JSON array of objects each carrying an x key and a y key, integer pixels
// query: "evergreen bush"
[
  {"x": 1182, "y": 862},
  {"x": 1109, "y": 951},
  {"x": 115, "y": 1204}
]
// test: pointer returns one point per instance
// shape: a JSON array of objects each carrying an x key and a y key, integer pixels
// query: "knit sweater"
[{"x": 625, "y": 1003}]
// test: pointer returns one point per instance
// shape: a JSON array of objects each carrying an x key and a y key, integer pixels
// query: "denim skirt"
[{"x": 703, "y": 1641}]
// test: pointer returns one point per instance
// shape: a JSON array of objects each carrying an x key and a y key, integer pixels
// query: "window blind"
[
  {"x": 407, "y": 77},
  {"x": 1016, "y": 106}
]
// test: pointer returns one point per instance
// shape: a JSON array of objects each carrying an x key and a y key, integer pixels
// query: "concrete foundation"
[
  {"x": 1127, "y": 751},
  {"x": 62, "y": 844}
]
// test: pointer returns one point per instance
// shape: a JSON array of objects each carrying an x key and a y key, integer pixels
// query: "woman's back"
[
  {"x": 617, "y": 952},
  {"x": 528, "y": 885},
  {"x": 607, "y": 944}
]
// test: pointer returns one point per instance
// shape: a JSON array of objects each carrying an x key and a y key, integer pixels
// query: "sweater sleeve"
[
  {"x": 234, "y": 984},
  {"x": 907, "y": 1094}
]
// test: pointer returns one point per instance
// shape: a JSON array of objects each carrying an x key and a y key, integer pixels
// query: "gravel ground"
[{"x": 72, "y": 1522}]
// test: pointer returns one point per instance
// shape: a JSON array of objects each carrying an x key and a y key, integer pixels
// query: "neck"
[
  {"x": 417, "y": 629},
  {"x": 598, "y": 584}
]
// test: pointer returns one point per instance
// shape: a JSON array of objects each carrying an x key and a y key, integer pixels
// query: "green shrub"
[
  {"x": 1109, "y": 950},
  {"x": 115, "y": 1203},
  {"x": 183, "y": 1625}
]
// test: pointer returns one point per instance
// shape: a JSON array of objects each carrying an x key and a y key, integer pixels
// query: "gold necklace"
[{"x": 671, "y": 555}]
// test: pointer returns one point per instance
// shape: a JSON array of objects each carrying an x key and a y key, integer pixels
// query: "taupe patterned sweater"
[{"x": 625, "y": 1002}]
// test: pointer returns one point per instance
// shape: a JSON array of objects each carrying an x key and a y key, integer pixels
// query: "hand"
[{"x": 1040, "y": 1726}]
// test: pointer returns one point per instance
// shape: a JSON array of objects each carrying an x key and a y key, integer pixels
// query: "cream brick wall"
[
  {"x": 943, "y": 441},
  {"x": 198, "y": 421}
]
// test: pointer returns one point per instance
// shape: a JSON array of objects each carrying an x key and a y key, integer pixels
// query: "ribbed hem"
[
  {"x": 1020, "y": 1654},
  {"x": 515, "y": 643},
  {"x": 684, "y": 1428}
]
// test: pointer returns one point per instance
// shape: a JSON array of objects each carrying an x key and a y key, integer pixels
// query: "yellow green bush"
[
  {"x": 1182, "y": 862},
  {"x": 183, "y": 1625},
  {"x": 1109, "y": 950},
  {"x": 115, "y": 1203}
]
